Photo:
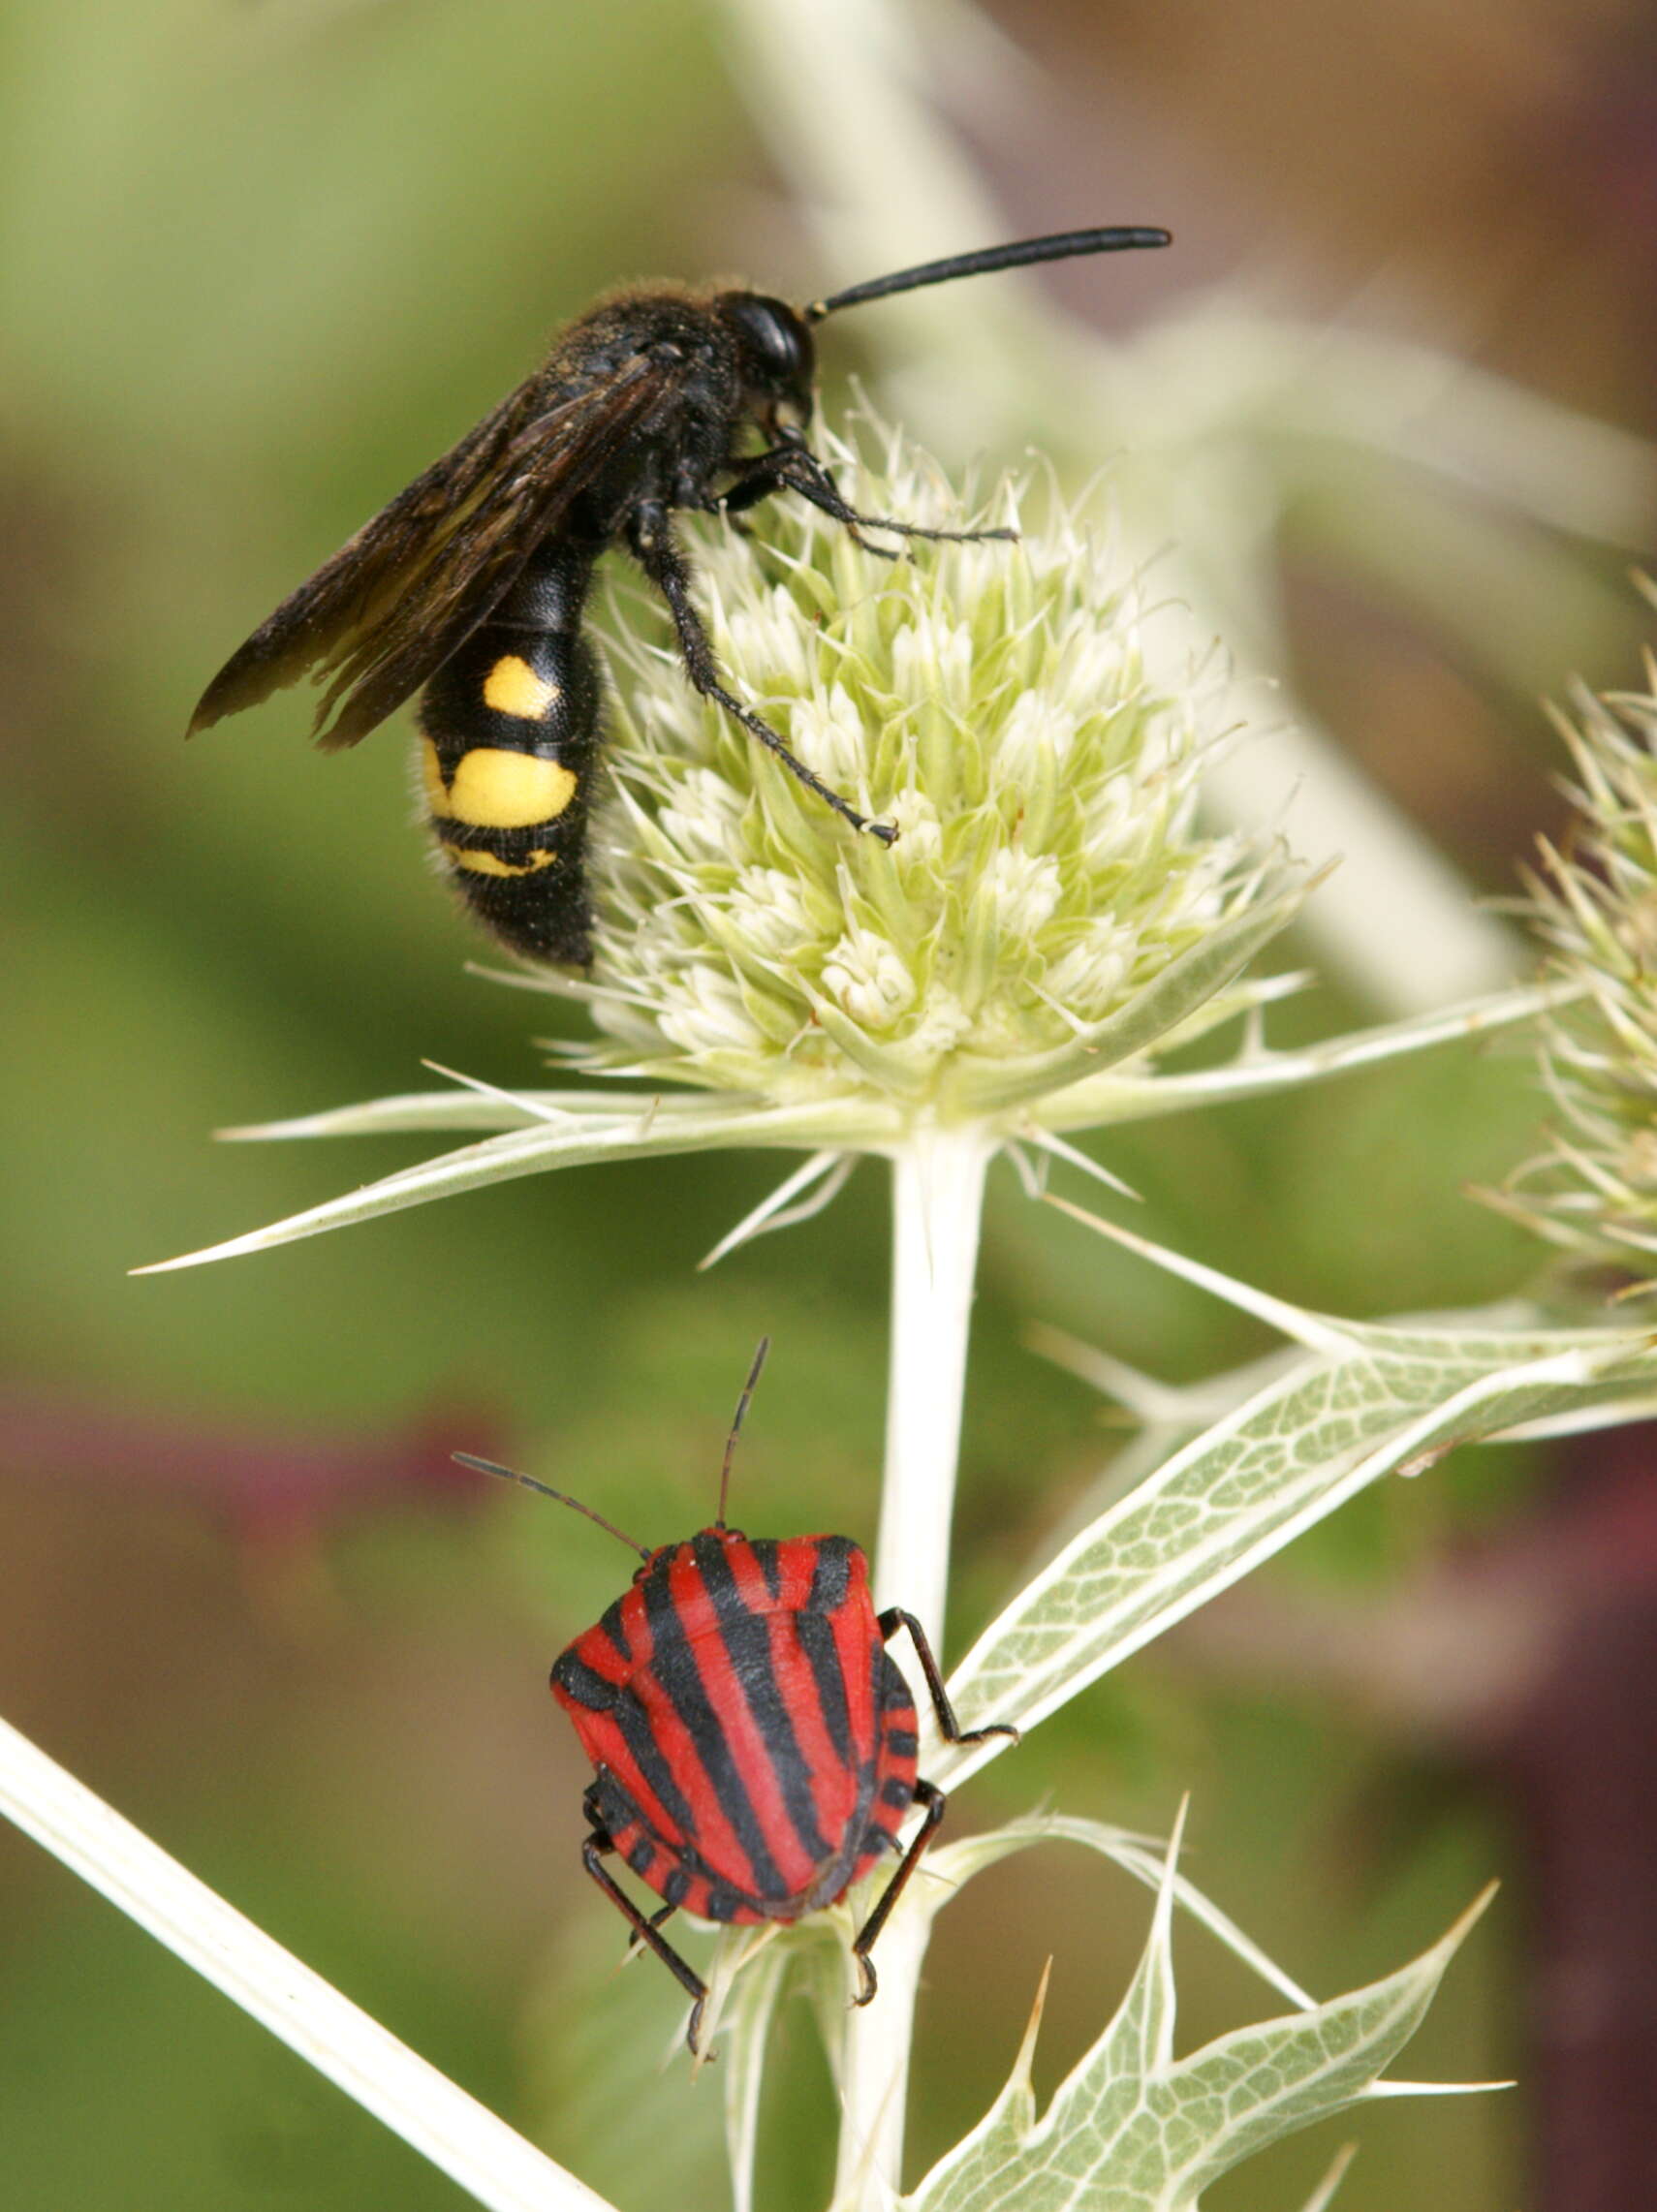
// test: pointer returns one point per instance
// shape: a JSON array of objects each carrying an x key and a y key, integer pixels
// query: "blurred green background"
[{"x": 261, "y": 263}]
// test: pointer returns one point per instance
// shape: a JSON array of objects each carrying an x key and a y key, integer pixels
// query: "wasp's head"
[{"x": 778, "y": 359}]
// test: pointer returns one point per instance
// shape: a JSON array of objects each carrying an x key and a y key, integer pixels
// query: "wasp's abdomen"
[{"x": 509, "y": 733}]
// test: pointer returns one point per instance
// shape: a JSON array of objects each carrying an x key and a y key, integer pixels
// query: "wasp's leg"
[
  {"x": 948, "y": 1727},
  {"x": 652, "y": 544},
  {"x": 934, "y": 1800},
  {"x": 768, "y": 473},
  {"x": 796, "y": 468}
]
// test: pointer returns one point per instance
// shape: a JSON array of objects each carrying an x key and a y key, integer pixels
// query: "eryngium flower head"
[
  {"x": 1594, "y": 904},
  {"x": 1050, "y": 921},
  {"x": 990, "y": 701}
]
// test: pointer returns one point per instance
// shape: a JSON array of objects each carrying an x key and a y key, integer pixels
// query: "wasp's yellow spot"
[
  {"x": 513, "y": 687},
  {"x": 493, "y": 788},
  {"x": 431, "y": 777},
  {"x": 490, "y": 864}
]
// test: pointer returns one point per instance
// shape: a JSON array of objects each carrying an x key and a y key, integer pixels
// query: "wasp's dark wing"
[{"x": 406, "y": 591}]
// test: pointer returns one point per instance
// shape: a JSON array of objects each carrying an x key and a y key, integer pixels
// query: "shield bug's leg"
[
  {"x": 636, "y": 1942},
  {"x": 948, "y": 1727},
  {"x": 934, "y": 1800},
  {"x": 652, "y": 544},
  {"x": 612, "y": 1814},
  {"x": 645, "y": 1931}
]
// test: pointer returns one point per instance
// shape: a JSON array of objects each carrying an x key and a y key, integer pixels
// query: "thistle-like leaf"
[
  {"x": 1366, "y": 1400},
  {"x": 1133, "y": 2130}
]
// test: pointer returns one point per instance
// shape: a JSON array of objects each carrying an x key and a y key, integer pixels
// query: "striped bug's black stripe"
[
  {"x": 610, "y": 1807},
  {"x": 609, "y": 1620},
  {"x": 769, "y": 1563},
  {"x": 639, "y": 1738},
  {"x": 674, "y": 1666},
  {"x": 890, "y": 1691},
  {"x": 901, "y": 1743},
  {"x": 884, "y": 1674},
  {"x": 832, "y": 1578},
  {"x": 583, "y": 1683},
  {"x": 747, "y": 1639},
  {"x": 817, "y": 1641}
]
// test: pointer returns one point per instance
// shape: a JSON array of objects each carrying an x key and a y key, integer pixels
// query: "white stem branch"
[
  {"x": 937, "y": 1206},
  {"x": 937, "y": 1201},
  {"x": 459, "y": 2136}
]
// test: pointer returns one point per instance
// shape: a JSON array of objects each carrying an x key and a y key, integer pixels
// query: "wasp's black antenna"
[
  {"x": 511, "y": 1475},
  {"x": 1057, "y": 246},
  {"x": 740, "y": 1415}
]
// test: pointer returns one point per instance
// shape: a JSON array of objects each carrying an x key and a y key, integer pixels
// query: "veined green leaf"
[
  {"x": 1368, "y": 1400},
  {"x": 814, "y": 1954},
  {"x": 1133, "y": 2130}
]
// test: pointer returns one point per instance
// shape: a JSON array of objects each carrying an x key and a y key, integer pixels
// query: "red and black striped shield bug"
[{"x": 753, "y": 1742}]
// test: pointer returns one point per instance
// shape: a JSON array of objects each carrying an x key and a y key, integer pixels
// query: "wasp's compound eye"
[{"x": 778, "y": 344}]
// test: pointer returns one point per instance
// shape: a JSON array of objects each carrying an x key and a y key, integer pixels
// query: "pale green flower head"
[
  {"x": 1595, "y": 905},
  {"x": 990, "y": 701},
  {"x": 1049, "y": 922}
]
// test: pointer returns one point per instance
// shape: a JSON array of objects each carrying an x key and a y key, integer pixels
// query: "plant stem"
[
  {"x": 490, "y": 2162},
  {"x": 937, "y": 1201},
  {"x": 937, "y": 1206}
]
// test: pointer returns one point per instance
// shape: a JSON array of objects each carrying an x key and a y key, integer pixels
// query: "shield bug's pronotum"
[
  {"x": 472, "y": 585},
  {"x": 753, "y": 1742}
]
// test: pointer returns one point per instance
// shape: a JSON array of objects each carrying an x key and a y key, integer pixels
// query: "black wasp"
[{"x": 473, "y": 582}]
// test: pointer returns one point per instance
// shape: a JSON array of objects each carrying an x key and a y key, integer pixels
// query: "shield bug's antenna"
[
  {"x": 1056, "y": 246},
  {"x": 742, "y": 1405},
  {"x": 511, "y": 1475}
]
